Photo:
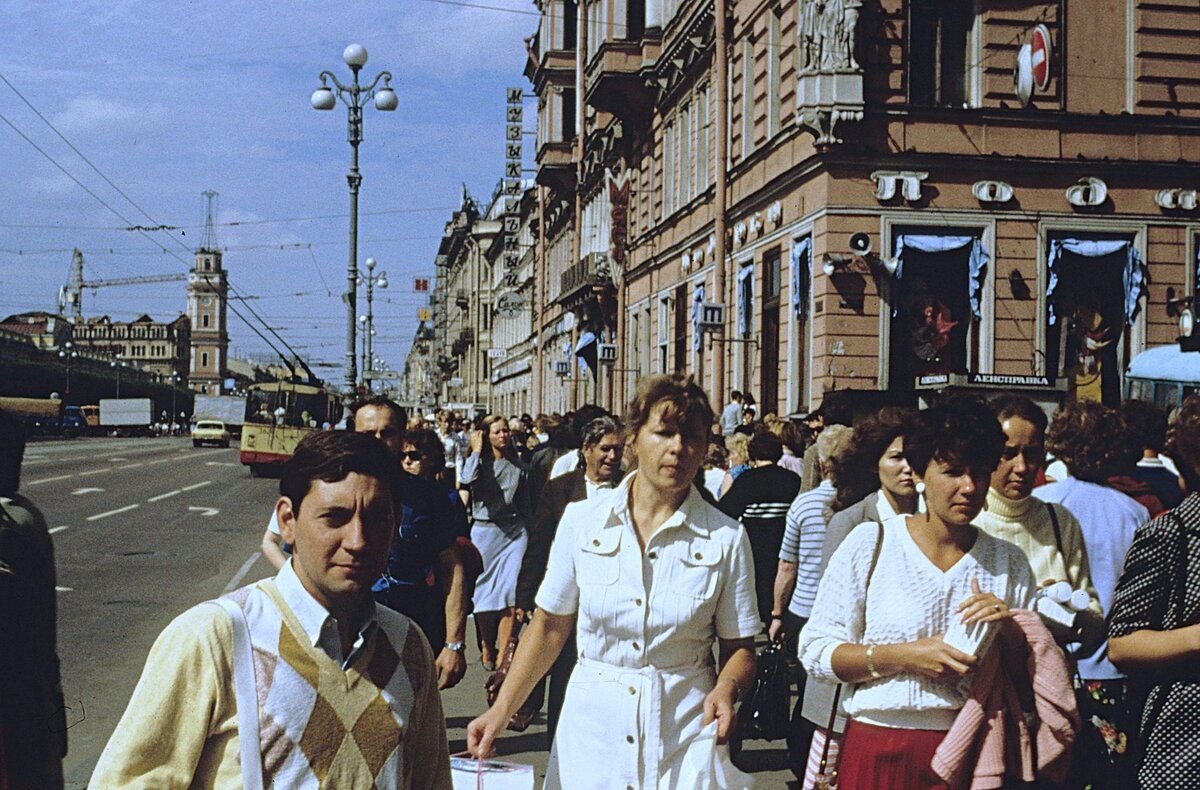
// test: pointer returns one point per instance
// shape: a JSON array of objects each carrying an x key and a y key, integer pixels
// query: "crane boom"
[{"x": 72, "y": 293}]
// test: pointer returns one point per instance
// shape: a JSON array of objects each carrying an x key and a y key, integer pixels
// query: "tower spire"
[{"x": 209, "y": 242}]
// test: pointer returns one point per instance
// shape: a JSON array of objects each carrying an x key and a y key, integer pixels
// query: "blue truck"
[{"x": 47, "y": 416}]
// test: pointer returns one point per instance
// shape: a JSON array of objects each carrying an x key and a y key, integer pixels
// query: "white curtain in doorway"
[
  {"x": 1133, "y": 275},
  {"x": 801, "y": 261},
  {"x": 977, "y": 264}
]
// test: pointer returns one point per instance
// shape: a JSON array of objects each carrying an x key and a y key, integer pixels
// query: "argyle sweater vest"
[{"x": 321, "y": 725}]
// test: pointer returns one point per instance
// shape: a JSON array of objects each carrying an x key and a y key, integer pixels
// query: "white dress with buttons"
[{"x": 647, "y": 625}]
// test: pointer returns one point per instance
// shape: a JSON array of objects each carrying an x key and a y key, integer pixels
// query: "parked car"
[{"x": 210, "y": 432}]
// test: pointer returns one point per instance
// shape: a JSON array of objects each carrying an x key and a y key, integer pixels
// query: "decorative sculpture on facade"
[{"x": 830, "y": 78}]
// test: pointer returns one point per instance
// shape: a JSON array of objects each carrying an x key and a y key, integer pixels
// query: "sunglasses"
[{"x": 413, "y": 455}]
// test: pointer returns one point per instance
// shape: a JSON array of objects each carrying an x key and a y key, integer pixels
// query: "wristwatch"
[{"x": 457, "y": 647}]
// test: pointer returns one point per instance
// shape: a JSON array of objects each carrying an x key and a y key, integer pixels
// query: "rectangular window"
[
  {"x": 685, "y": 154},
  {"x": 774, "y": 71},
  {"x": 204, "y": 320},
  {"x": 570, "y": 20},
  {"x": 668, "y": 185},
  {"x": 664, "y": 332},
  {"x": 567, "y": 130},
  {"x": 747, "y": 97},
  {"x": 938, "y": 44},
  {"x": 204, "y": 359},
  {"x": 704, "y": 126}
]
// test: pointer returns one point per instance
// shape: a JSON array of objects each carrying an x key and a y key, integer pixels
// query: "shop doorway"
[
  {"x": 930, "y": 328},
  {"x": 1089, "y": 341}
]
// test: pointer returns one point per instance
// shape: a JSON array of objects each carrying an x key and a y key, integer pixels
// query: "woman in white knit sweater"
[{"x": 905, "y": 685}]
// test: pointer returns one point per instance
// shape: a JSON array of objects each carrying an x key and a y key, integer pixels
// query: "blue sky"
[{"x": 169, "y": 99}]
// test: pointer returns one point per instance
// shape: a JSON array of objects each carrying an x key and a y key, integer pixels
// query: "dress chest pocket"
[
  {"x": 693, "y": 572},
  {"x": 598, "y": 561}
]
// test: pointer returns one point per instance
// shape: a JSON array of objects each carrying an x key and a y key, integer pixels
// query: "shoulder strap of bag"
[
  {"x": 1059, "y": 542},
  {"x": 246, "y": 693},
  {"x": 837, "y": 692}
]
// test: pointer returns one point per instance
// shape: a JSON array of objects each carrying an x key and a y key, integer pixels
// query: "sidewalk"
[{"x": 765, "y": 760}]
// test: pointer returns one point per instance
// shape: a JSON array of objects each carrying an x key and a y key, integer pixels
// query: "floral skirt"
[{"x": 1102, "y": 754}]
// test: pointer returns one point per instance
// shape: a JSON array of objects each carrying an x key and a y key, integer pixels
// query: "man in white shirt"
[{"x": 731, "y": 415}]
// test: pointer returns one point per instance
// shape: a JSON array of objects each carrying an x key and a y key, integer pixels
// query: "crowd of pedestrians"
[{"x": 969, "y": 595}]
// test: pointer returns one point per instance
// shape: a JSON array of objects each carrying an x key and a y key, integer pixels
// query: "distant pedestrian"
[
  {"x": 496, "y": 479},
  {"x": 33, "y": 726},
  {"x": 300, "y": 679},
  {"x": 760, "y": 499},
  {"x": 1148, "y": 423},
  {"x": 731, "y": 415}
]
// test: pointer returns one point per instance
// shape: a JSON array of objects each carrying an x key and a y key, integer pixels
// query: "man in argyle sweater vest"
[{"x": 346, "y": 692}]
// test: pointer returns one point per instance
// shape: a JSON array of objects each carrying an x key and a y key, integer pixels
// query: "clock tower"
[{"x": 207, "y": 295}]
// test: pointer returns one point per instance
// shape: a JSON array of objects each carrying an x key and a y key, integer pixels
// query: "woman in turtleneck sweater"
[{"x": 1013, "y": 514}]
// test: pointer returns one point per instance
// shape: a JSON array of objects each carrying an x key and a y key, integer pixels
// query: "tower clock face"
[{"x": 206, "y": 301}]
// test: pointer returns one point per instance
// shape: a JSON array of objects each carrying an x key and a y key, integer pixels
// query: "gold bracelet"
[{"x": 875, "y": 673}]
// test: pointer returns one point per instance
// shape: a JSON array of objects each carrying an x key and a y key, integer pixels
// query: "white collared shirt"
[
  {"x": 320, "y": 626},
  {"x": 594, "y": 488},
  {"x": 662, "y": 607}
]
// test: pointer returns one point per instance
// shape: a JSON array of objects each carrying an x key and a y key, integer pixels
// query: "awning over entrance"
[
  {"x": 977, "y": 263},
  {"x": 1133, "y": 275}
]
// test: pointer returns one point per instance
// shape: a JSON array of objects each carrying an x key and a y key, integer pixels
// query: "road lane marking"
[
  {"x": 57, "y": 529},
  {"x": 81, "y": 491},
  {"x": 48, "y": 480},
  {"x": 116, "y": 460},
  {"x": 164, "y": 496},
  {"x": 197, "y": 485},
  {"x": 99, "y": 516},
  {"x": 204, "y": 511},
  {"x": 91, "y": 472},
  {"x": 241, "y": 574},
  {"x": 64, "y": 589},
  {"x": 130, "y": 466},
  {"x": 221, "y": 463}
]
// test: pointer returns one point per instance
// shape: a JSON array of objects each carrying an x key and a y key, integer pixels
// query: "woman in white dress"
[
  {"x": 496, "y": 479},
  {"x": 652, "y": 576}
]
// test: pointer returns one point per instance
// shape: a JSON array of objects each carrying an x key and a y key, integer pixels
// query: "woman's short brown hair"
[
  {"x": 1183, "y": 441},
  {"x": 686, "y": 404},
  {"x": 1086, "y": 436}
]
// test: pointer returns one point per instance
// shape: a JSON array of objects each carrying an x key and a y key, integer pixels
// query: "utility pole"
[{"x": 720, "y": 155}]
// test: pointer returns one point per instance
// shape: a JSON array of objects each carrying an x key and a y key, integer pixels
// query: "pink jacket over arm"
[{"x": 991, "y": 738}]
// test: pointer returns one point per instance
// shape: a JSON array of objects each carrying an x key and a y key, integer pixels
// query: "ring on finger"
[{"x": 996, "y": 607}]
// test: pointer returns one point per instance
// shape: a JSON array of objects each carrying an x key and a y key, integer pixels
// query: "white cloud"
[{"x": 92, "y": 113}]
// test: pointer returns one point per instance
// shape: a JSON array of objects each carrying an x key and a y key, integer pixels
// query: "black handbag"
[{"x": 766, "y": 714}]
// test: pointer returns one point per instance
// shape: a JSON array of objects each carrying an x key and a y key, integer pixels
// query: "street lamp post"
[
  {"x": 354, "y": 96},
  {"x": 171, "y": 425},
  {"x": 68, "y": 353},
  {"x": 371, "y": 281},
  {"x": 116, "y": 365}
]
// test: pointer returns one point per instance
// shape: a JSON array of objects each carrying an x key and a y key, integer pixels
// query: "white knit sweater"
[{"x": 910, "y": 598}]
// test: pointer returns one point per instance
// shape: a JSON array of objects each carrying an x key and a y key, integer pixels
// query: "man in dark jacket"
[
  {"x": 602, "y": 448},
  {"x": 33, "y": 730}
]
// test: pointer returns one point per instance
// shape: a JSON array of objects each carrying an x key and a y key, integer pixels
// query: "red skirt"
[{"x": 879, "y": 758}]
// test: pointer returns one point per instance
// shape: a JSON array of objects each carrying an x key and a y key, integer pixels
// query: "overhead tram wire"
[
  {"x": 122, "y": 217},
  {"x": 229, "y": 223},
  {"x": 131, "y": 202}
]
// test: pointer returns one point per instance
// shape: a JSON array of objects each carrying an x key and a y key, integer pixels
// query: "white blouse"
[
  {"x": 910, "y": 599},
  {"x": 662, "y": 607}
]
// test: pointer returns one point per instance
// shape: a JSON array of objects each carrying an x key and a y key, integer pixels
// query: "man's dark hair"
[
  {"x": 330, "y": 456},
  {"x": 1147, "y": 422},
  {"x": 1006, "y": 406},
  {"x": 959, "y": 430},
  {"x": 584, "y": 415},
  {"x": 735, "y": 395},
  {"x": 384, "y": 401},
  {"x": 12, "y": 451},
  {"x": 765, "y": 446},
  {"x": 837, "y": 410}
]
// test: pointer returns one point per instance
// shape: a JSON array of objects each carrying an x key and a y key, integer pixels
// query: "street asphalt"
[{"x": 145, "y": 528}]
